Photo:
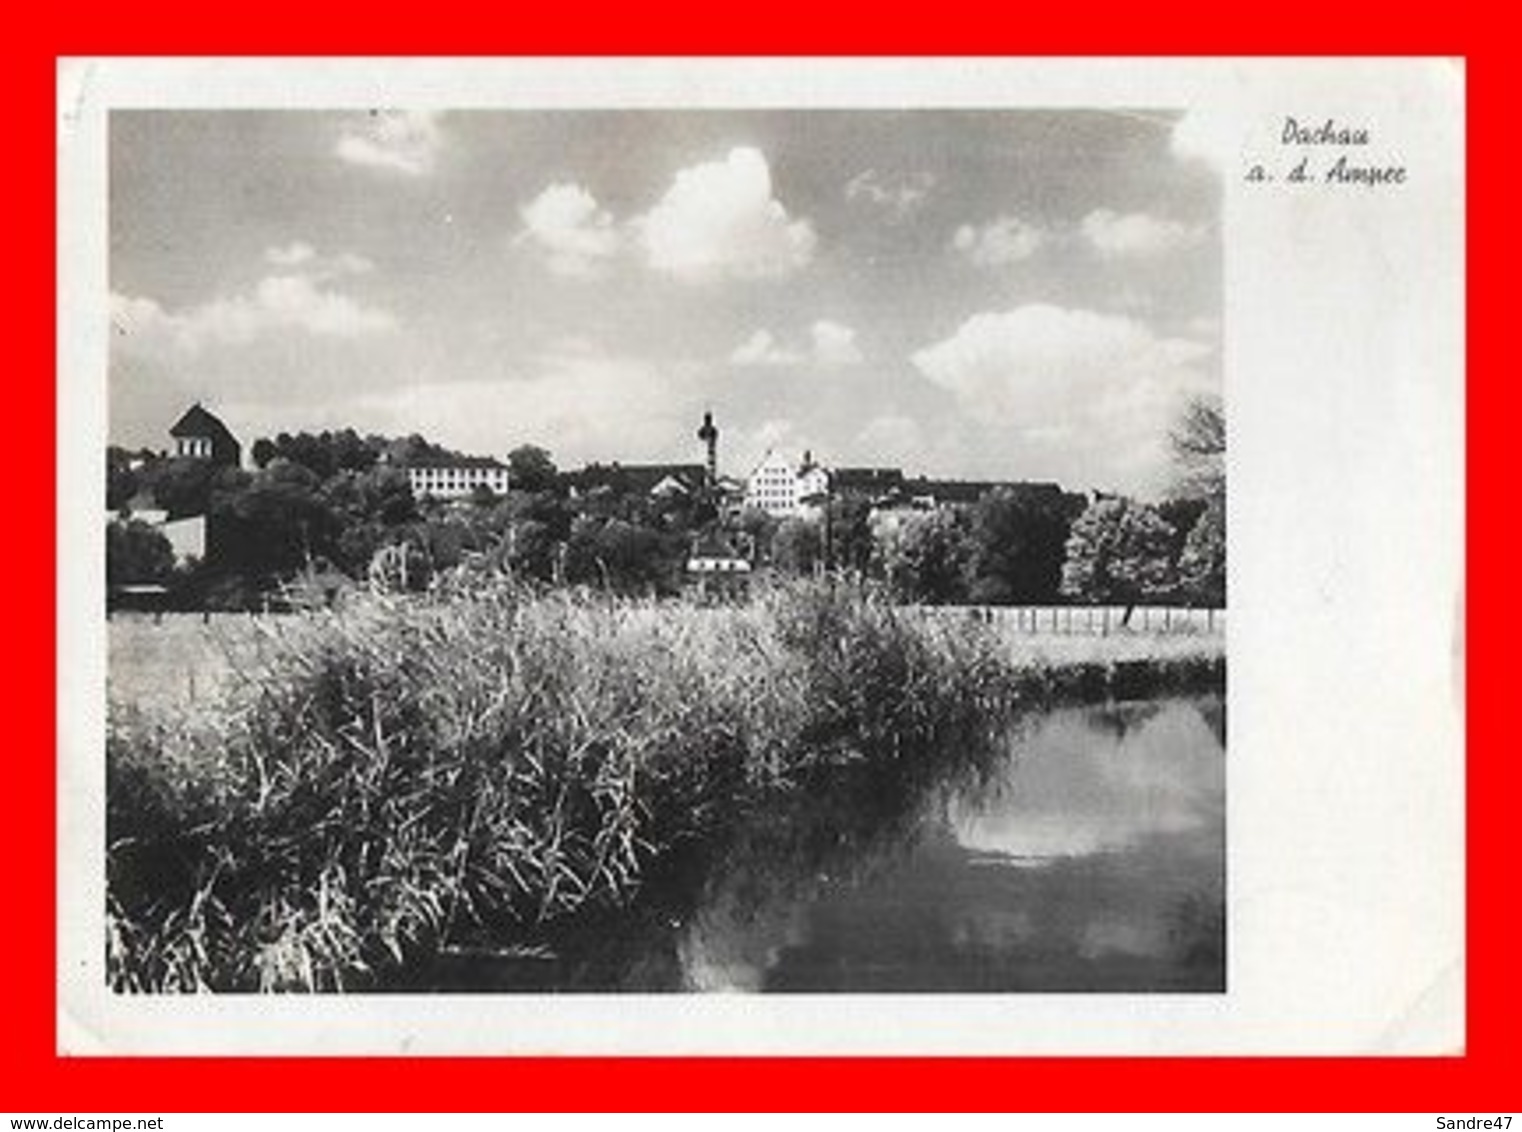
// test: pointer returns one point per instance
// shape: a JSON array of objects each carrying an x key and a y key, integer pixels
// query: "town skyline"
[
  {"x": 247, "y": 458},
  {"x": 1004, "y": 295}
]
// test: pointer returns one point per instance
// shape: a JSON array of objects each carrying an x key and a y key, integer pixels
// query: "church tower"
[{"x": 709, "y": 435}]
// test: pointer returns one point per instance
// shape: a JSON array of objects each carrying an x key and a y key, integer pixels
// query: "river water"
[{"x": 1088, "y": 854}]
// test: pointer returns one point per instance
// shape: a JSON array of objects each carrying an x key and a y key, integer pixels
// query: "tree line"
[{"x": 331, "y": 506}]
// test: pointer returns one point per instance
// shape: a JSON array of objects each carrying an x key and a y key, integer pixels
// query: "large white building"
[
  {"x": 457, "y": 480},
  {"x": 783, "y": 489}
]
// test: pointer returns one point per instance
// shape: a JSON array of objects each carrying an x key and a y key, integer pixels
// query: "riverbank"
[
  {"x": 176, "y": 660},
  {"x": 372, "y": 785}
]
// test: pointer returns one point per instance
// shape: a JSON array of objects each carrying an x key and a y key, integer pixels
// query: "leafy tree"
[
  {"x": 1202, "y": 562},
  {"x": 355, "y": 545},
  {"x": 757, "y": 527},
  {"x": 277, "y": 524},
  {"x": 797, "y": 546},
  {"x": 350, "y": 452},
  {"x": 226, "y": 486},
  {"x": 382, "y": 495},
  {"x": 1199, "y": 446},
  {"x": 307, "y": 451},
  {"x": 411, "y": 450},
  {"x": 1118, "y": 553},
  {"x": 1181, "y": 512},
  {"x": 386, "y": 494},
  {"x": 366, "y": 508},
  {"x": 181, "y": 485},
  {"x": 924, "y": 555},
  {"x": 543, "y": 507},
  {"x": 848, "y": 533},
  {"x": 680, "y": 512},
  {"x": 530, "y": 468},
  {"x": 446, "y": 541},
  {"x": 530, "y": 550},
  {"x": 121, "y": 477},
  {"x": 137, "y": 554},
  {"x": 1017, "y": 544},
  {"x": 324, "y": 454},
  {"x": 618, "y": 555}
]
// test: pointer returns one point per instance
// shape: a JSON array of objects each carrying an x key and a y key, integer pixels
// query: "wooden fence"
[{"x": 1089, "y": 620}]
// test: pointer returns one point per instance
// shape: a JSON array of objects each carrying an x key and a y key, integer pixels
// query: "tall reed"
[{"x": 495, "y": 762}]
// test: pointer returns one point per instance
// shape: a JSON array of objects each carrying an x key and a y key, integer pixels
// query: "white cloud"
[
  {"x": 745, "y": 447},
  {"x": 1207, "y": 135},
  {"x": 299, "y": 297},
  {"x": 1084, "y": 397},
  {"x": 891, "y": 438},
  {"x": 1048, "y": 355},
  {"x": 398, "y": 141},
  {"x": 1005, "y": 240},
  {"x": 834, "y": 344},
  {"x": 831, "y": 345},
  {"x": 899, "y": 197},
  {"x": 761, "y": 349},
  {"x": 720, "y": 219},
  {"x": 134, "y": 315},
  {"x": 1136, "y": 233},
  {"x": 576, "y": 235},
  {"x": 580, "y": 402},
  {"x": 297, "y": 301},
  {"x": 292, "y": 255},
  {"x": 600, "y": 407},
  {"x": 300, "y": 254},
  {"x": 350, "y": 263},
  {"x": 772, "y": 433}
]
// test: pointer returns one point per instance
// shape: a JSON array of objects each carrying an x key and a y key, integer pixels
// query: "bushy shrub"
[{"x": 409, "y": 769}]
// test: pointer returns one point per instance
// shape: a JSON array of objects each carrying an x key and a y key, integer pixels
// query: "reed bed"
[{"x": 377, "y": 783}]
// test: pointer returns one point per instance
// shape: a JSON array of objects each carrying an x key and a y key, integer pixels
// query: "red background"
[{"x": 33, "y": 1078}]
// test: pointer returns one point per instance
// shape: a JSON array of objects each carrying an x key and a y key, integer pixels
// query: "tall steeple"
[{"x": 709, "y": 435}]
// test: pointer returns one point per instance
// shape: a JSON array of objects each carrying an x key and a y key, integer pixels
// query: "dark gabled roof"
[
  {"x": 457, "y": 461},
  {"x": 949, "y": 491},
  {"x": 712, "y": 544},
  {"x": 970, "y": 491},
  {"x": 635, "y": 477},
  {"x": 197, "y": 421},
  {"x": 865, "y": 479}
]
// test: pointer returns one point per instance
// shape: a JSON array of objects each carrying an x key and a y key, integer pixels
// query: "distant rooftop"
[
  {"x": 634, "y": 477},
  {"x": 866, "y": 479},
  {"x": 198, "y": 421},
  {"x": 456, "y": 461},
  {"x": 970, "y": 491}
]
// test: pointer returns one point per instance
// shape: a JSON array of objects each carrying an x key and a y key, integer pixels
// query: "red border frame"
[{"x": 34, "y": 1078}]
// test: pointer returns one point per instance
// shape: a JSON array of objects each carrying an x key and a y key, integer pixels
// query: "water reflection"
[{"x": 1087, "y": 853}]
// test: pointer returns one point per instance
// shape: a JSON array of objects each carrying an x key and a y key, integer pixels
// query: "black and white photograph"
[
  {"x": 631, "y": 551},
  {"x": 667, "y": 550}
]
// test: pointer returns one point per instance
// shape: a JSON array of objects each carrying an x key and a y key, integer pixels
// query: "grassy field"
[
  {"x": 313, "y": 802},
  {"x": 181, "y": 658}
]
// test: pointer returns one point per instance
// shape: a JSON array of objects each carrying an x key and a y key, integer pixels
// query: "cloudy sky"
[{"x": 1001, "y": 294}]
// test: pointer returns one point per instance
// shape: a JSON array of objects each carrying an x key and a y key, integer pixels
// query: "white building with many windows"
[
  {"x": 773, "y": 486},
  {"x": 783, "y": 489},
  {"x": 457, "y": 480}
]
